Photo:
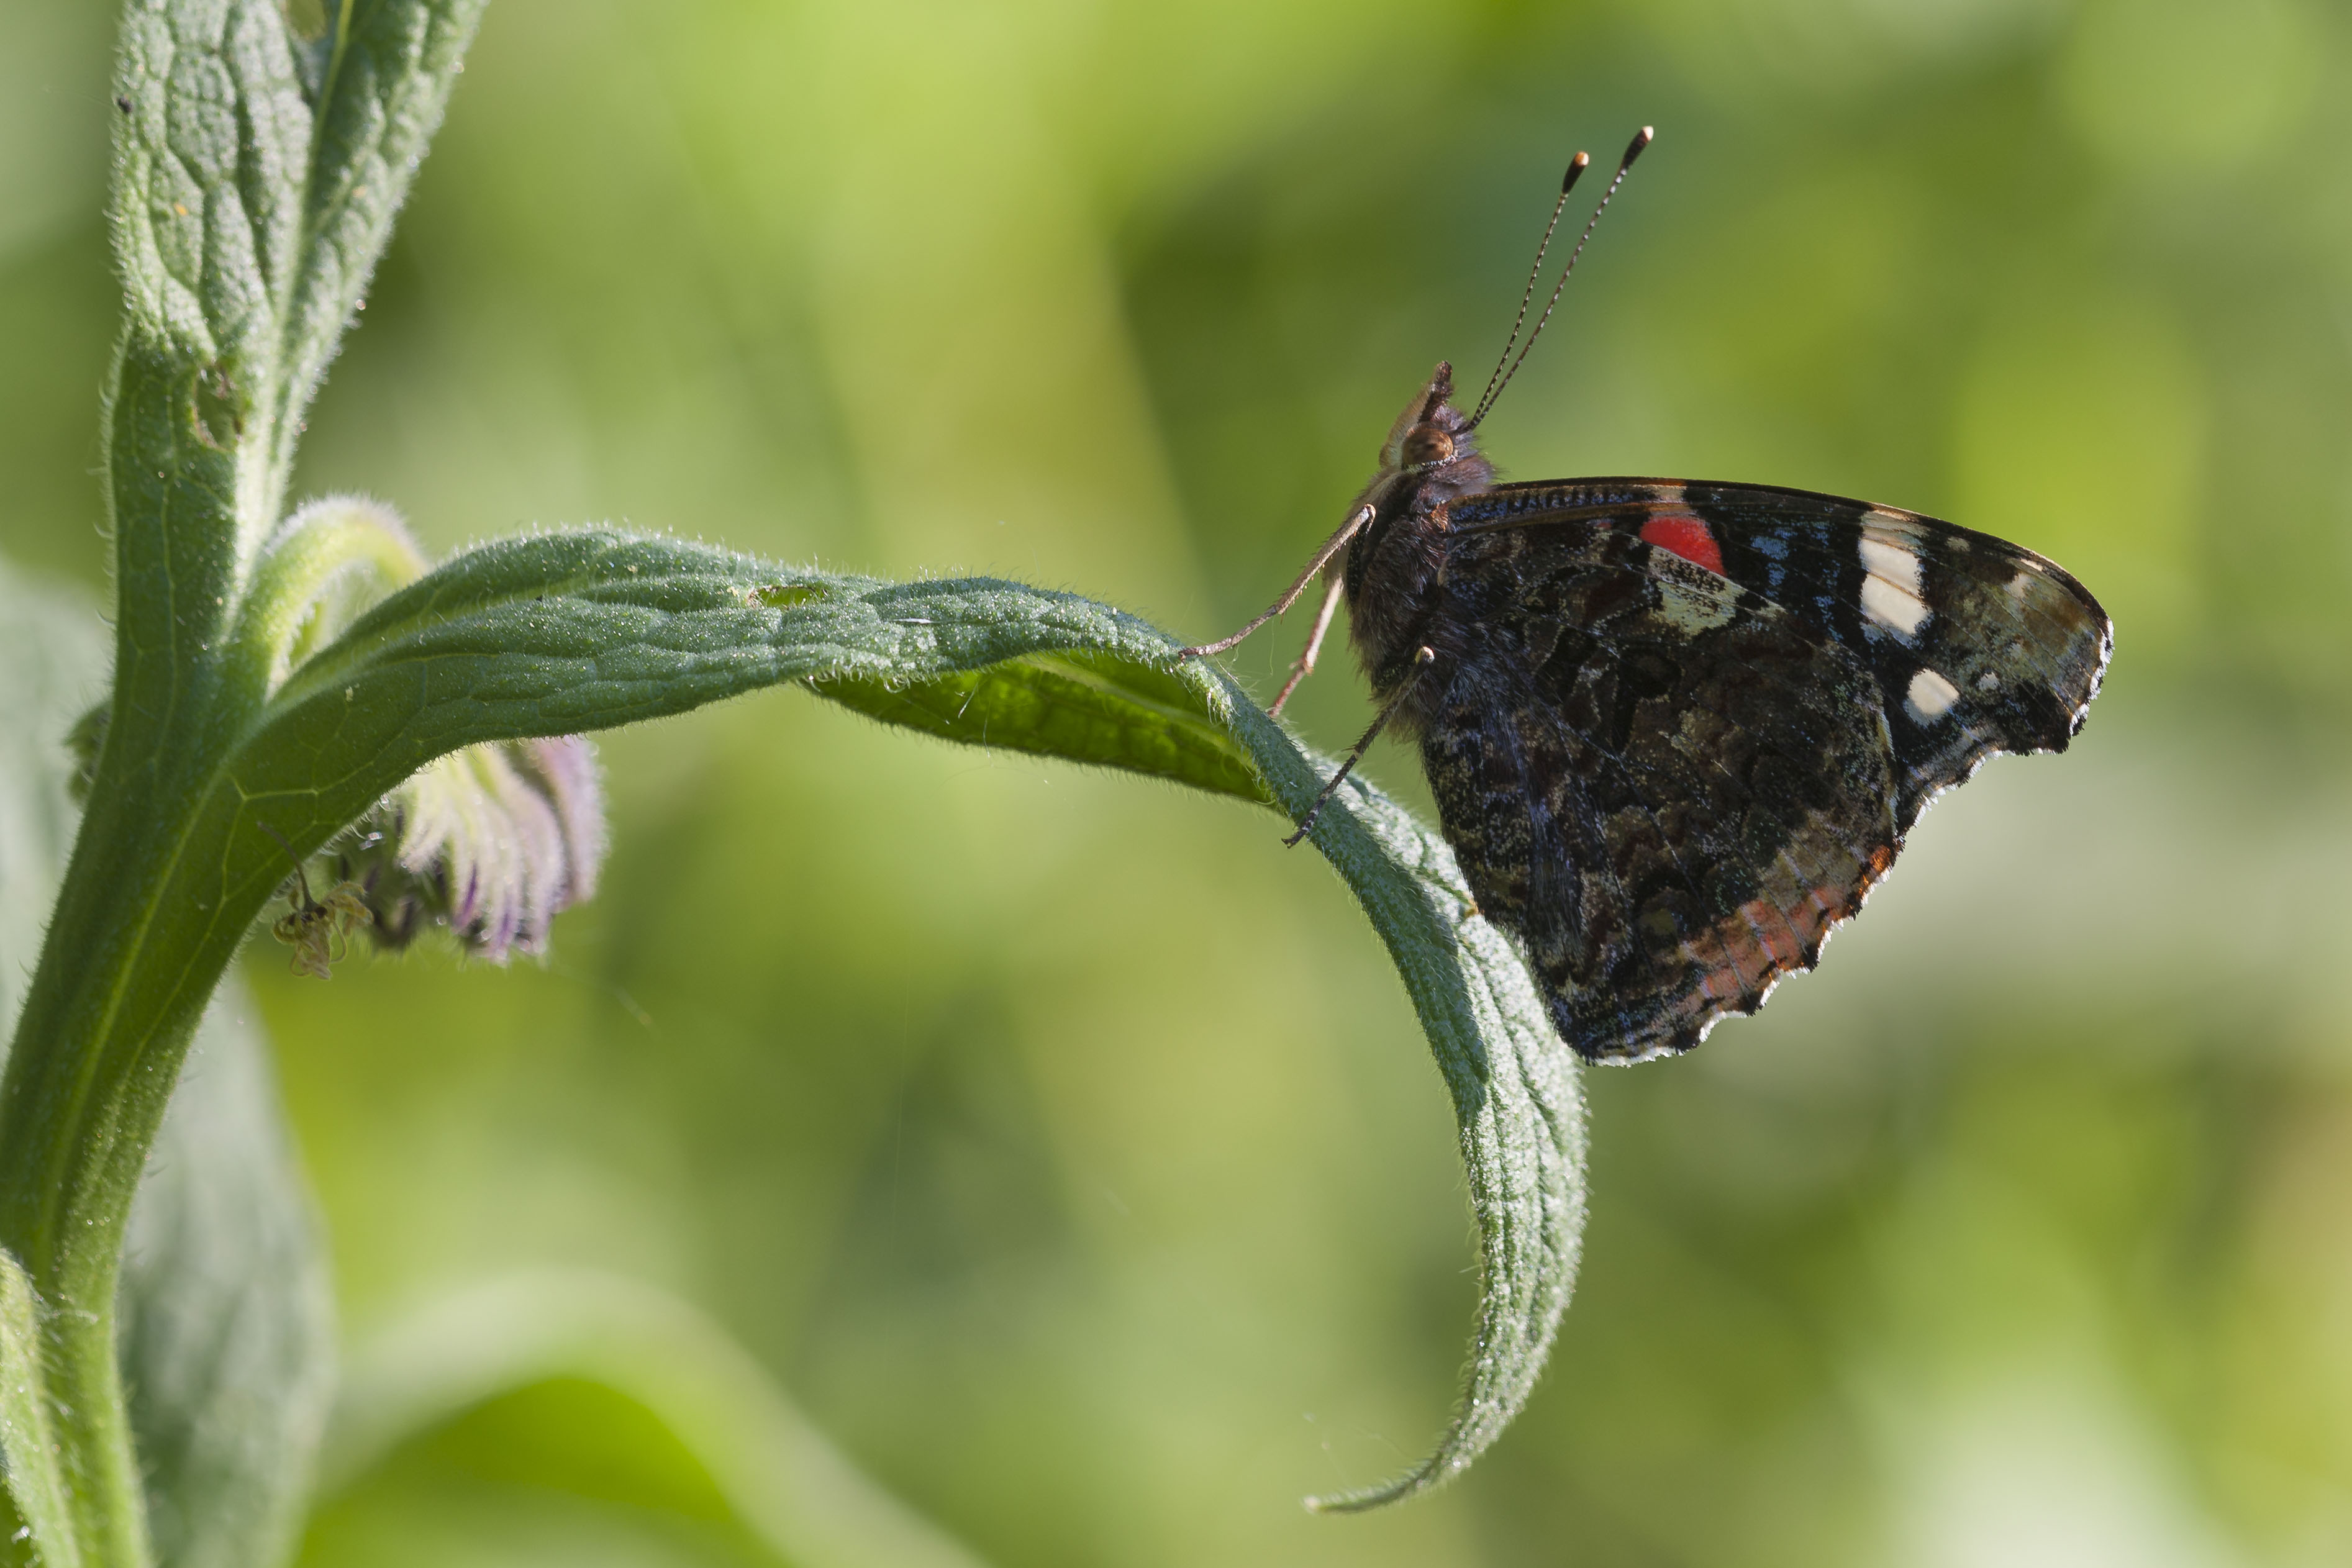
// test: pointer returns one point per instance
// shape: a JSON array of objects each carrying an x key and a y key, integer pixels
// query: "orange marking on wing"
[
  {"x": 1746, "y": 953},
  {"x": 1678, "y": 533},
  {"x": 1778, "y": 937},
  {"x": 1812, "y": 919},
  {"x": 1741, "y": 955}
]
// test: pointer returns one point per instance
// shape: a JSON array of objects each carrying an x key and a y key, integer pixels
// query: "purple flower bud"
[{"x": 491, "y": 841}]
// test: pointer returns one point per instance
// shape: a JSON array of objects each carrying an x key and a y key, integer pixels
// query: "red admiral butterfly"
[{"x": 1678, "y": 730}]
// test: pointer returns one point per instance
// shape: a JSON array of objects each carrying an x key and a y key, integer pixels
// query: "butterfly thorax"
[{"x": 1394, "y": 568}]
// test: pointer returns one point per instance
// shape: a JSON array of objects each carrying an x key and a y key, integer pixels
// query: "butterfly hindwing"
[
  {"x": 1670, "y": 787},
  {"x": 1689, "y": 725}
]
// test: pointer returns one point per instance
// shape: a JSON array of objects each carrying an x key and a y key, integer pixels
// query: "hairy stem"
[{"x": 130, "y": 958}]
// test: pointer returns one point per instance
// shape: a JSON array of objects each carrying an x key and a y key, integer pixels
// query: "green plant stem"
[
  {"x": 144, "y": 932},
  {"x": 94, "y": 1061},
  {"x": 138, "y": 941}
]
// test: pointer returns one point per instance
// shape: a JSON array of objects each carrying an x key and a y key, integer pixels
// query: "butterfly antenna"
[
  {"x": 1535, "y": 273},
  {"x": 1503, "y": 377}
]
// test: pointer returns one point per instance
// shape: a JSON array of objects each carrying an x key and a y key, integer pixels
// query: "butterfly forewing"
[
  {"x": 1687, "y": 725},
  {"x": 1979, "y": 645}
]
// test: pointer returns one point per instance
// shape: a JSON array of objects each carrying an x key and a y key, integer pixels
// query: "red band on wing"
[{"x": 1687, "y": 537}]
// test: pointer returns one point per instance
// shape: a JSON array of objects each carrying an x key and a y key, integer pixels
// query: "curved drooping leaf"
[
  {"x": 1517, "y": 1100},
  {"x": 752, "y": 1459},
  {"x": 576, "y": 631}
]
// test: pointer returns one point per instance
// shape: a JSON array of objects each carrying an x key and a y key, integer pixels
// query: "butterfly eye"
[{"x": 1426, "y": 444}]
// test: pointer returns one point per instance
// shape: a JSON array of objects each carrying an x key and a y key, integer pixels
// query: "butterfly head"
[{"x": 1430, "y": 433}]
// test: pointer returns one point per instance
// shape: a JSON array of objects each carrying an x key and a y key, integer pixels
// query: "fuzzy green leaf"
[
  {"x": 1075, "y": 706},
  {"x": 228, "y": 1321},
  {"x": 256, "y": 177},
  {"x": 1518, "y": 1103},
  {"x": 210, "y": 155},
  {"x": 377, "y": 81},
  {"x": 577, "y": 631}
]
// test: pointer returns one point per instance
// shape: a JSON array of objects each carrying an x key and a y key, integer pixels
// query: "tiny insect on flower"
[{"x": 318, "y": 930}]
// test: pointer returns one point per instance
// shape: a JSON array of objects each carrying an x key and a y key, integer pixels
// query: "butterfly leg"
[
  {"x": 1305, "y": 664},
  {"x": 1332, "y": 546},
  {"x": 1420, "y": 662}
]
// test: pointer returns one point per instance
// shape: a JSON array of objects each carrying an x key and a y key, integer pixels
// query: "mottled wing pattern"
[
  {"x": 1979, "y": 645},
  {"x": 1689, "y": 725},
  {"x": 1668, "y": 786}
]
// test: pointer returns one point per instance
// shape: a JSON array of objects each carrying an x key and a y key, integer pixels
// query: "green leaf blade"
[
  {"x": 1082, "y": 707},
  {"x": 209, "y": 167},
  {"x": 228, "y": 1323},
  {"x": 380, "y": 84},
  {"x": 579, "y": 631},
  {"x": 576, "y": 631},
  {"x": 257, "y": 178},
  {"x": 1515, "y": 1085}
]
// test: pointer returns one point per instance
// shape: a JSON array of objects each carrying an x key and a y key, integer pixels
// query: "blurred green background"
[{"x": 1066, "y": 1147}]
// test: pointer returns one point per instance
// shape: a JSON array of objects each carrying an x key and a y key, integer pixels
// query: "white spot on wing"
[
  {"x": 1890, "y": 594},
  {"x": 1896, "y": 608},
  {"x": 1891, "y": 559},
  {"x": 1931, "y": 697},
  {"x": 1988, "y": 681}
]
